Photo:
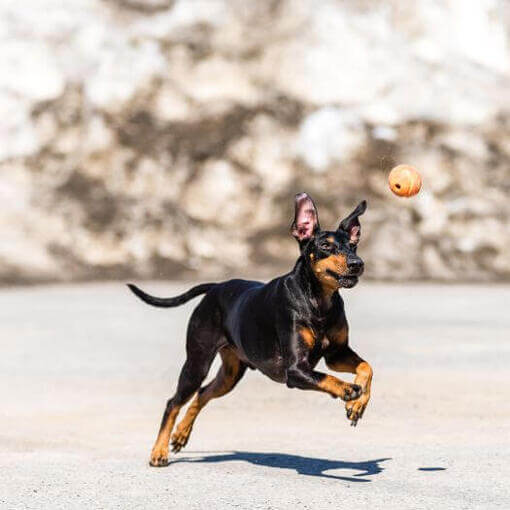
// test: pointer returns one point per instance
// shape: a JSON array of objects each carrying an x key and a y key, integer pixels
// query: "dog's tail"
[{"x": 173, "y": 301}]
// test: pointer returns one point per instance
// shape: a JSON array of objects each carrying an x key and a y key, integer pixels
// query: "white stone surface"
[
  {"x": 329, "y": 135},
  {"x": 124, "y": 124}
]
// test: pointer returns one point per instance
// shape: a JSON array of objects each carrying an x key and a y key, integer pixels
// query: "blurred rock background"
[{"x": 166, "y": 138}]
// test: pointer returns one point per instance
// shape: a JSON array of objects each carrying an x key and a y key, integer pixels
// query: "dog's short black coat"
[{"x": 282, "y": 328}]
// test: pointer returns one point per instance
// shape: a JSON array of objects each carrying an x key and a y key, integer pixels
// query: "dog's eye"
[{"x": 325, "y": 246}]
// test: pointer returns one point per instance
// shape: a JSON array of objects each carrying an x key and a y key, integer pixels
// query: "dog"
[{"x": 282, "y": 328}]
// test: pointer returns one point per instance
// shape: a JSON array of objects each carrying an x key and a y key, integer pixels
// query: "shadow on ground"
[{"x": 303, "y": 465}]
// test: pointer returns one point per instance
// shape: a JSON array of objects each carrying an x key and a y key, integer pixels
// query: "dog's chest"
[
  {"x": 332, "y": 339},
  {"x": 336, "y": 336}
]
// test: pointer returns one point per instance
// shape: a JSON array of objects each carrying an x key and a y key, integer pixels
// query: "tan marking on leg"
[
  {"x": 352, "y": 363},
  {"x": 183, "y": 430},
  {"x": 308, "y": 337},
  {"x": 224, "y": 381},
  {"x": 356, "y": 408},
  {"x": 337, "y": 388},
  {"x": 159, "y": 454}
]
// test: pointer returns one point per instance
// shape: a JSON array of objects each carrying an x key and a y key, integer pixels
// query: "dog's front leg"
[
  {"x": 300, "y": 373},
  {"x": 302, "y": 376},
  {"x": 348, "y": 361}
]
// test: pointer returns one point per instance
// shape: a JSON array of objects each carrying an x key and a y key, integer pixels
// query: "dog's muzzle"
[{"x": 347, "y": 281}]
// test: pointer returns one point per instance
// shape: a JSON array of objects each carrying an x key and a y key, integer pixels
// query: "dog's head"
[{"x": 331, "y": 255}]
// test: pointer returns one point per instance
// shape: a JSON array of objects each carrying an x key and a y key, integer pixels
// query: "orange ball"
[{"x": 404, "y": 181}]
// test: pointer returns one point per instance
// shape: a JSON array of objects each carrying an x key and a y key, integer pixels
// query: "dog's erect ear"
[
  {"x": 306, "y": 219},
  {"x": 351, "y": 224}
]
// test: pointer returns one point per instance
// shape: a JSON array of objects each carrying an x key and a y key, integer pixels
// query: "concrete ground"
[{"x": 85, "y": 371}]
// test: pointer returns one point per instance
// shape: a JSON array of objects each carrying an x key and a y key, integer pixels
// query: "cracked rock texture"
[{"x": 166, "y": 138}]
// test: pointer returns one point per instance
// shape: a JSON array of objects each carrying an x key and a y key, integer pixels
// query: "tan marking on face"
[
  {"x": 331, "y": 239},
  {"x": 308, "y": 337},
  {"x": 335, "y": 263}
]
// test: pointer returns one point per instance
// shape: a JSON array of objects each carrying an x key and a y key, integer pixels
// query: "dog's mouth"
[{"x": 344, "y": 280}]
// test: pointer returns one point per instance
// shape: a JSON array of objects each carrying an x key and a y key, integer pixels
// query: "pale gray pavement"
[{"x": 85, "y": 371}]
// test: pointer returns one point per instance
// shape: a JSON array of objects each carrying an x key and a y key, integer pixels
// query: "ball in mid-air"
[{"x": 404, "y": 181}]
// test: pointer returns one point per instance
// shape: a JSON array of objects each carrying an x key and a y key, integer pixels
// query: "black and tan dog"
[{"x": 282, "y": 328}]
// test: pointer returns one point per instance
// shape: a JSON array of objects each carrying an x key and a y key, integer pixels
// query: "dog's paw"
[
  {"x": 180, "y": 438},
  {"x": 159, "y": 457},
  {"x": 355, "y": 409},
  {"x": 351, "y": 392}
]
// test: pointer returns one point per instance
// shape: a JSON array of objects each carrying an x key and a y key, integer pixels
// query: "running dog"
[{"x": 282, "y": 328}]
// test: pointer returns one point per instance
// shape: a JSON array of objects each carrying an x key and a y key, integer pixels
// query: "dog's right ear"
[{"x": 306, "y": 219}]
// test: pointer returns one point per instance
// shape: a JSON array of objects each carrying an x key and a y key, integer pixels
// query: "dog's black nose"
[{"x": 355, "y": 266}]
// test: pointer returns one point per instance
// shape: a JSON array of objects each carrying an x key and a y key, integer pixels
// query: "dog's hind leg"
[
  {"x": 230, "y": 373},
  {"x": 203, "y": 341},
  {"x": 189, "y": 381}
]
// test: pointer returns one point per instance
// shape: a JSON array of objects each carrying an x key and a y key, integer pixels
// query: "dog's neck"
[{"x": 320, "y": 298}]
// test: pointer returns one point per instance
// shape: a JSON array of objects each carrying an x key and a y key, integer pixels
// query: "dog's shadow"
[{"x": 310, "y": 466}]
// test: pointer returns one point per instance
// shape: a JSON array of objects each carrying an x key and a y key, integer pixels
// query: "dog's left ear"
[{"x": 351, "y": 224}]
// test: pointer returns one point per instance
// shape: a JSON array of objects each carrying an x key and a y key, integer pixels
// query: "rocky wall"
[{"x": 166, "y": 139}]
